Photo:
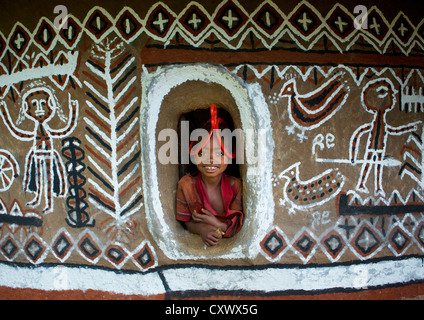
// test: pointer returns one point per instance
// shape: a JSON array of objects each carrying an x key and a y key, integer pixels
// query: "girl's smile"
[
  {"x": 211, "y": 160},
  {"x": 211, "y": 168}
]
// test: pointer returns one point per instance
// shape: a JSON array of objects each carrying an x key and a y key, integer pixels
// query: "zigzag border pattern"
[{"x": 230, "y": 23}]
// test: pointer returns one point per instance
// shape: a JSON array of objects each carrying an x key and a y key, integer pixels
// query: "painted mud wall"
[{"x": 332, "y": 178}]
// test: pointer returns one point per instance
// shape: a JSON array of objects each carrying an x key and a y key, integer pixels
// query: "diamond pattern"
[
  {"x": 409, "y": 223},
  {"x": 35, "y": 248},
  {"x": 399, "y": 240},
  {"x": 71, "y": 34},
  {"x": 366, "y": 241},
  {"x": 419, "y": 234},
  {"x": 89, "y": 248},
  {"x": 403, "y": 29},
  {"x": 160, "y": 21},
  {"x": 19, "y": 41},
  {"x": 194, "y": 20},
  {"x": 228, "y": 21},
  {"x": 304, "y": 245},
  {"x": 274, "y": 243},
  {"x": 128, "y": 24},
  {"x": 341, "y": 23},
  {"x": 62, "y": 246},
  {"x": 98, "y": 24},
  {"x": 230, "y": 18},
  {"x": 268, "y": 19},
  {"x": 377, "y": 27},
  {"x": 144, "y": 257},
  {"x": 9, "y": 248},
  {"x": 116, "y": 255},
  {"x": 3, "y": 45},
  {"x": 421, "y": 31},
  {"x": 45, "y": 35},
  {"x": 333, "y": 245},
  {"x": 305, "y": 20}
]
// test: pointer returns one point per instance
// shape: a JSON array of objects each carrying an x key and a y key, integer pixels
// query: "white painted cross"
[
  {"x": 367, "y": 240},
  {"x": 402, "y": 29},
  {"x": 375, "y": 26},
  {"x": 340, "y": 23},
  {"x": 230, "y": 19},
  {"x": 273, "y": 244},
  {"x": 194, "y": 21},
  {"x": 9, "y": 248},
  {"x": 61, "y": 245},
  {"x": 305, "y": 21},
  {"x": 33, "y": 249},
  {"x": 399, "y": 239},
  {"x": 333, "y": 243},
  {"x": 18, "y": 41},
  {"x": 161, "y": 22}
]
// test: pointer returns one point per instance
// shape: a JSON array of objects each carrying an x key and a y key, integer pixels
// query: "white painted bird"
[
  {"x": 310, "y": 110},
  {"x": 302, "y": 195}
]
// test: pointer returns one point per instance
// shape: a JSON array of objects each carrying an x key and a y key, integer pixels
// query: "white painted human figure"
[
  {"x": 44, "y": 169},
  {"x": 378, "y": 97}
]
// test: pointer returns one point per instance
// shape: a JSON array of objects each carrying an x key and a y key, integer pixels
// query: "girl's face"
[{"x": 212, "y": 160}]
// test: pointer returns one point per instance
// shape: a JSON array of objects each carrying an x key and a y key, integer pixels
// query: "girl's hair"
[{"x": 212, "y": 125}]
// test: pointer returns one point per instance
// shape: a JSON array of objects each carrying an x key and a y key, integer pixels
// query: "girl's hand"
[
  {"x": 209, "y": 235},
  {"x": 208, "y": 218}
]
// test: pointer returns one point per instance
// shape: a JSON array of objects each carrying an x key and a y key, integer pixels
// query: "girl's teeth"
[{"x": 211, "y": 168}]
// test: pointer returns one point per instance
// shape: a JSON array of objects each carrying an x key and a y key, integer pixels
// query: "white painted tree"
[{"x": 112, "y": 135}]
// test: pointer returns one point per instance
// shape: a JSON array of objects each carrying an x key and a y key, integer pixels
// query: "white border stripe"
[
  {"x": 358, "y": 276},
  {"x": 70, "y": 278},
  {"x": 353, "y": 276}
]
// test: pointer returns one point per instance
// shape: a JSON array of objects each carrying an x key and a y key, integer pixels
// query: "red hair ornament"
[{"x": 215, "y": 121}]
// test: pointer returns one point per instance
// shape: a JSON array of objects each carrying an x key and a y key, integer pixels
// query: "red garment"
[{"x": 192, "y": 195}]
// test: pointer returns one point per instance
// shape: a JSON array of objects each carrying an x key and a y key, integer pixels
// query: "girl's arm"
[
  {"x": 235, "y": 215},
  {"x": 208, "y": 218},
  {"x": 207, "y": 232}
]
